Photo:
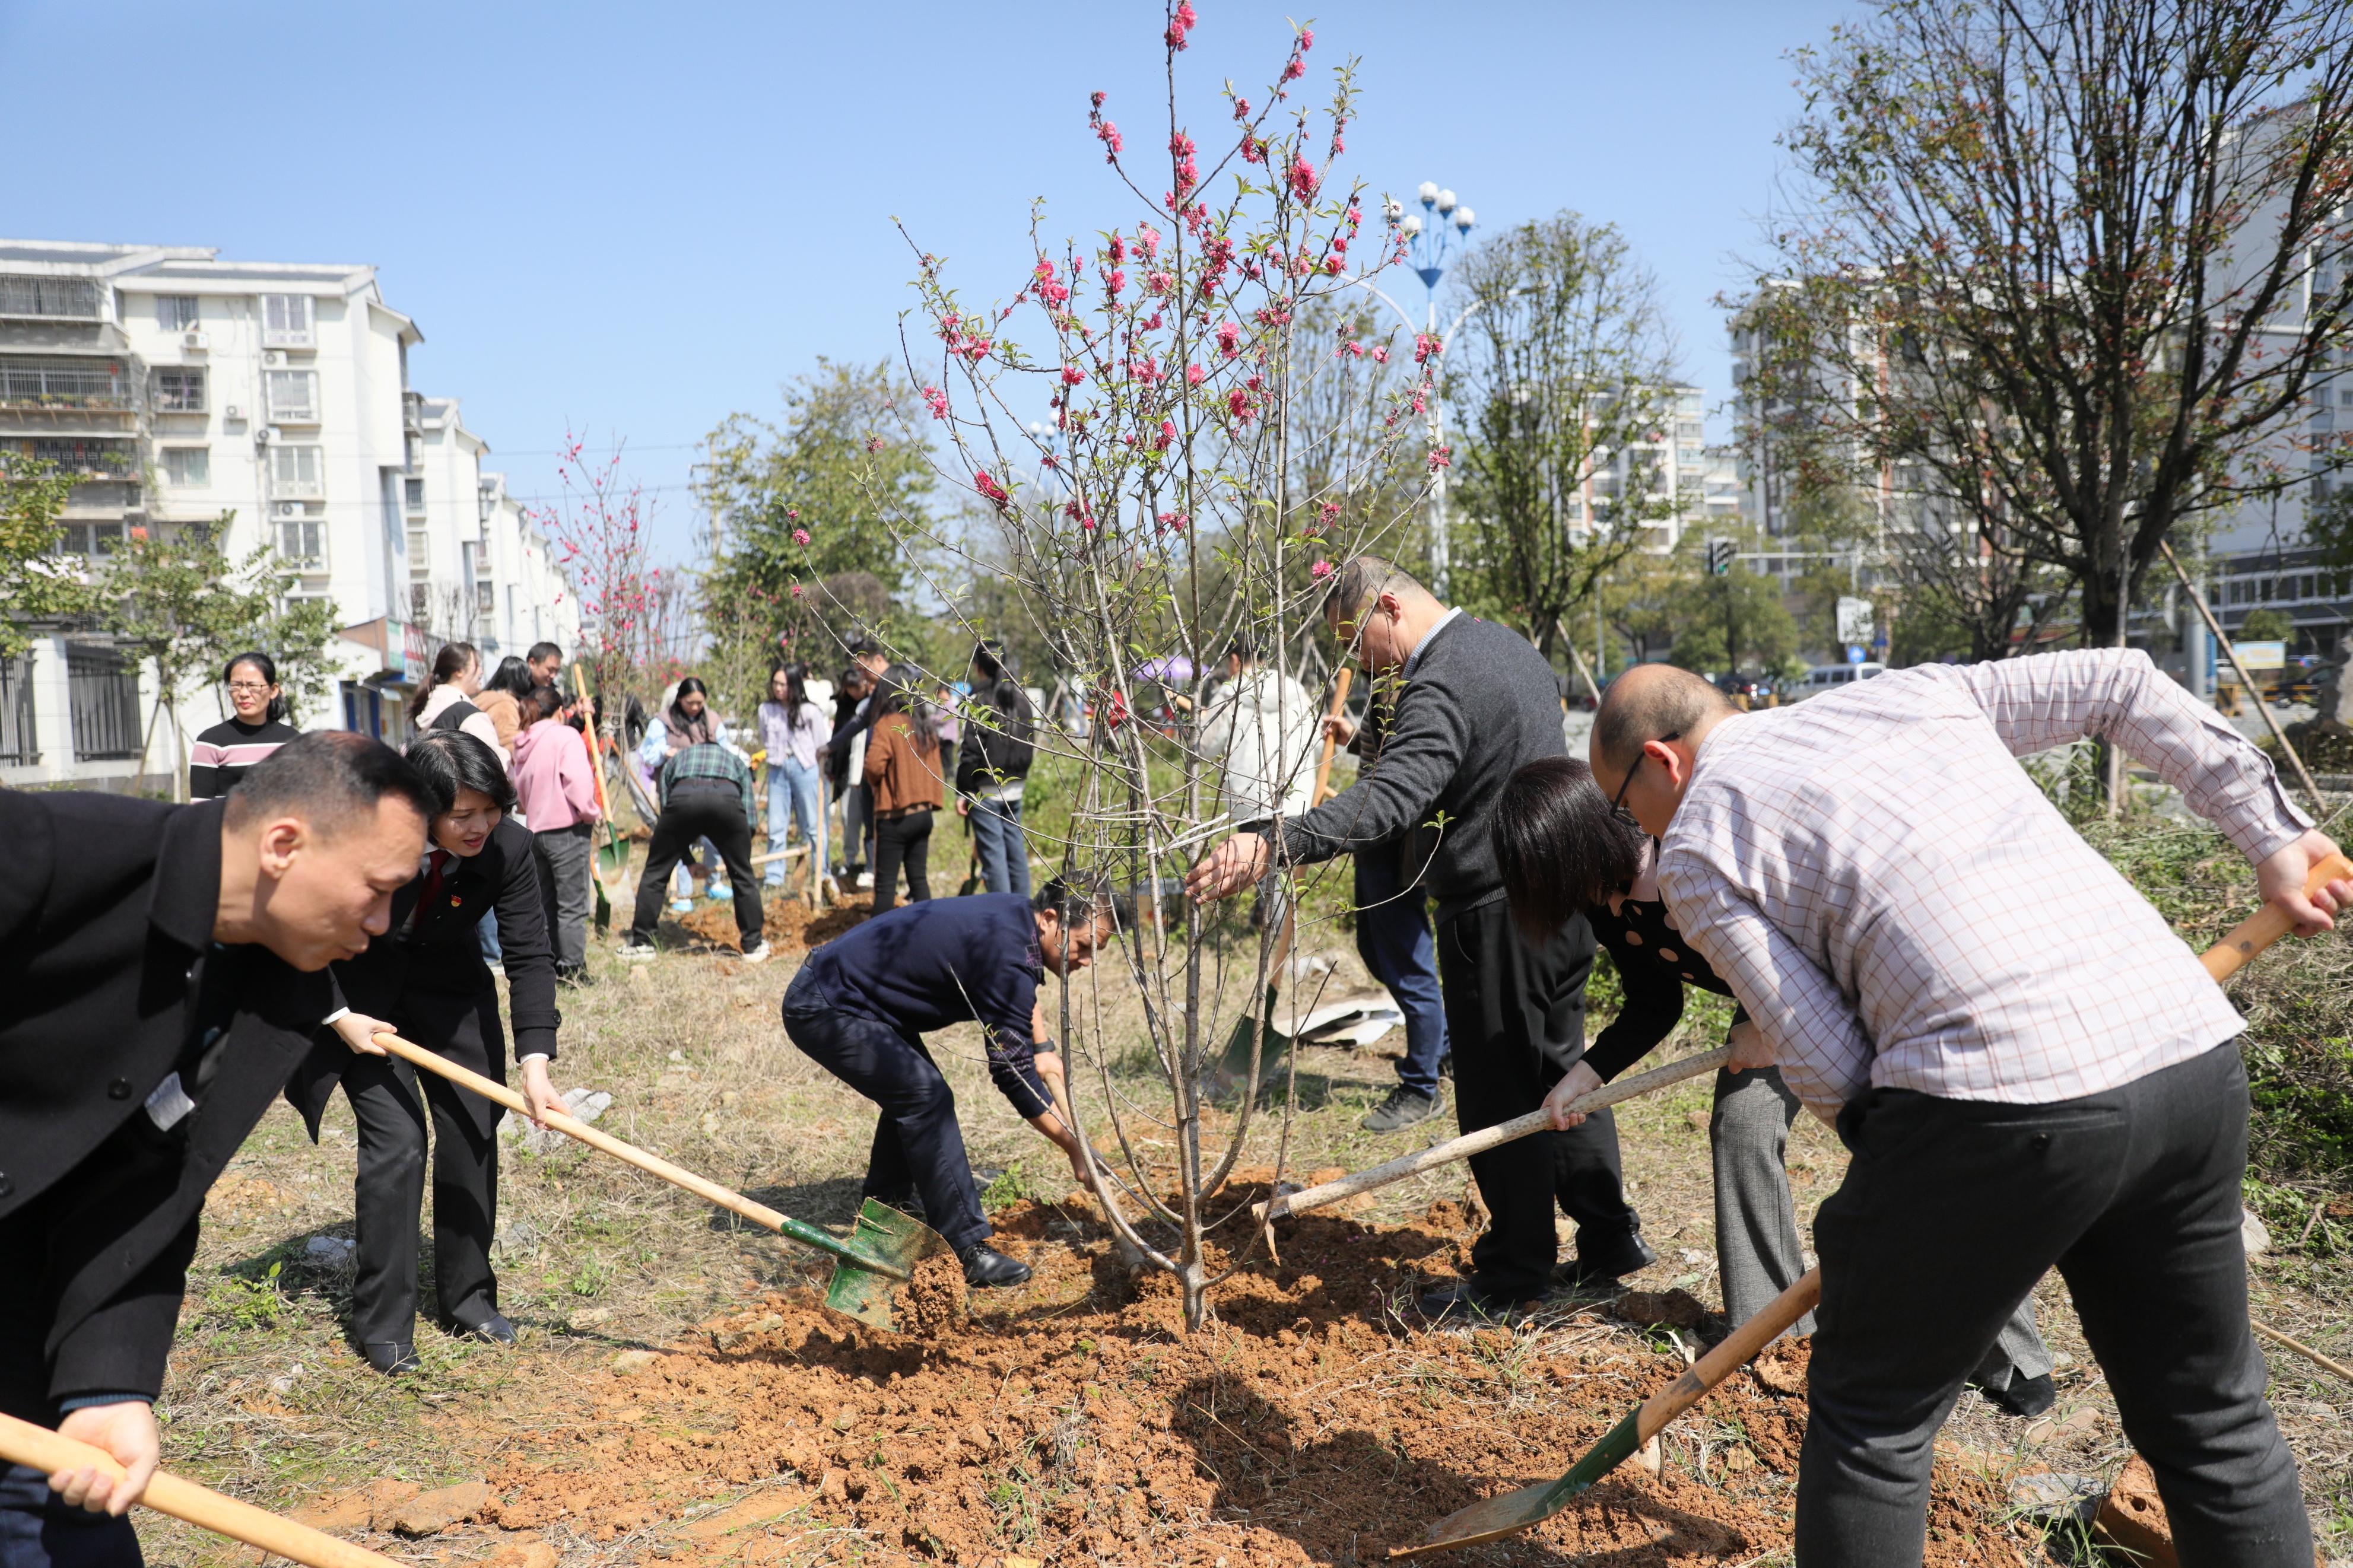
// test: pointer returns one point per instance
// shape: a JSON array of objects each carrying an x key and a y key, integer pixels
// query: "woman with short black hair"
[
  {"x": 257, "y": 726},
  {"x": 1564, "y": 848},
  {"x": 424, "y": 980}
]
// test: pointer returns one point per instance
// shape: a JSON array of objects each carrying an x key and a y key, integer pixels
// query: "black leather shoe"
[
  {"x": 2023, "y": 1396},
  {"x": 1466, "y": 1303},
  {"x": 491, "y": 1326},
  {"x": 392, "y": 1357},
  {"x": 1602, "y": 1268},
  {"x": 984, "y": 1267}
]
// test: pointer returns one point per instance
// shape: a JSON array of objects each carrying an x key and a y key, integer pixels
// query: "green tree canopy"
[{"x": 37, "y": 583}]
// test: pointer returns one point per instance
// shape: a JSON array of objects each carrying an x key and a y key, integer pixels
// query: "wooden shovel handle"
[
  {"x": 603, "y": 1143},
  {"x": 1730, "y": 1355},
  {"x": 1332, "y": 741},
  {"x": 2268, "y": 924},
  {"x": 22, "y": 1443},
  {"x": 1487, "y": 1138}
]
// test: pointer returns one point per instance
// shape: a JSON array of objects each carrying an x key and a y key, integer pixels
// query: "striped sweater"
[{"x": 224, "y": 752}]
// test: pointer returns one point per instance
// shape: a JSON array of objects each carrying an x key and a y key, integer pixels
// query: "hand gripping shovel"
[
  {"x": 40, "y": 1448},
  {"x": 1531, "y": 1506},
  {"x": 879, "y": 1255}
]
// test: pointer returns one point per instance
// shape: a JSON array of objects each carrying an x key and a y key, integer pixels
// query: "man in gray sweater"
[{"x": 1474, "y": 702}]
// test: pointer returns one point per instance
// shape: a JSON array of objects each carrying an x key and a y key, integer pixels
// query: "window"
[
  {"x": 2344, "y": 397},
  {"x": 303, "y": 541},
  {"x": 180, "y": 389},
  {"x": 51, "y": 298},
  {"x": 412, "y": 494},
  {"x": 88, "y": 539},
  {"x": 486, "y": 598},
  {"x": 187, "y": 467},
  {"x": 296, "y": 473},
  {"x": 102, "y": 690},
  {"x": 19, "y": 730},
  {"x": 177, "y": 312},
  {"x": 286, "y": 321},
  {"x": 293, "y": 396},
  {"x": 420, "y": 549}
]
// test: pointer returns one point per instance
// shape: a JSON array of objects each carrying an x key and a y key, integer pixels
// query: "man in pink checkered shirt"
[{"x": 2030, "y": 1070}]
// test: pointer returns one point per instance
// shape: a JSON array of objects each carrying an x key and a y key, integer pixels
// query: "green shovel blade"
[
  {"x": 894, "y": 1242},
  {"x": 1530, "y": 1506}
]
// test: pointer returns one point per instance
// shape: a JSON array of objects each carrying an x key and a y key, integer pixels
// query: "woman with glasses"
[
  {"x": 257, "y": 726},
  {"x": 1565, "y": 848}
]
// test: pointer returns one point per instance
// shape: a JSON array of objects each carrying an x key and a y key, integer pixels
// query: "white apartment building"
[
  {"x": 1677, "y": 467},
  {"x": 181, "y": 387}
]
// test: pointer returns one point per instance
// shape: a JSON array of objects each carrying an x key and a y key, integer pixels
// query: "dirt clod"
[
  {"x": 431, "y": 1513},
  {"x": 1675, "y": 1308},
  {"x": 935, "y": 1301},
  {"x": 1781, "y": 1365}
]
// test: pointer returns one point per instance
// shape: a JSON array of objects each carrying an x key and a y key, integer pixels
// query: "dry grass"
[{"x": 267, "y": 1401}]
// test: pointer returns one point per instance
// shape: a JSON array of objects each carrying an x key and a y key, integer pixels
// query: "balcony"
[
  {"x": 412, "y": 413},
  {"x": 83, "y": 460},
  {"x": 65, "y": 384}
]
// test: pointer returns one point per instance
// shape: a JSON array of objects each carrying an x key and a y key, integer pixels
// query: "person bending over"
[
  {"x": 862, "y": 1003},
  {"x": 424, "y": 980},
  {"x": 1564, "y": 850}
]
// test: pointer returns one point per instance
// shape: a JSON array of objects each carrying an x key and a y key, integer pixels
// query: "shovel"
[
  {"x": 40, "y": 1448},
  {"x": 881, "y": 1254},
  {"x": 1531, "y": 1506}
]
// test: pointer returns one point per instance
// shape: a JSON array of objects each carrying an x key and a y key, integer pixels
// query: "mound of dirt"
[
  {"x": 786, "y": 923},
  {"x": 1074, "y": 1421},
  {"x": 1675, "y": 1309}
]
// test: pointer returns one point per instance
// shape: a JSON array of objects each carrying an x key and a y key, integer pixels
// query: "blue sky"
[{"x": 641, "y": 218}]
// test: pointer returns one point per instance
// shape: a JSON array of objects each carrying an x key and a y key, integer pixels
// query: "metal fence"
[
  {"x": 64, "y": 382},
  {"x": 102, "y": 691},
  {"x": 19, "y": 743}
]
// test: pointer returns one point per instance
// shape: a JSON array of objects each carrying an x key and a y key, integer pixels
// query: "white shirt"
[
  {"x": 1897, "y": 904},
  {"x": 1415, "y": 657}
]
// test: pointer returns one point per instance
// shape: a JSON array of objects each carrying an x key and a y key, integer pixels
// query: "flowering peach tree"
[
  {"x": 1165, "y": 440},
  {"x": 598, "y": 531}
]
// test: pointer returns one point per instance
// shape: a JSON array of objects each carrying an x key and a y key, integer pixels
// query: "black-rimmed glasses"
[{"x": 1617, "y": 802}]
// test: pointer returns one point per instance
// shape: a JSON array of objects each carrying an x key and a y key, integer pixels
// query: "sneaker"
[
  {"x": 1602, "y": 1271},
  {"x": 1404, "y": 1108},
  {"x": 866, "y": 881},
  {"x": 681, "y": 906},
  {"x": 984, "y": 1267},
  {"x": 2023, "y": 1396},
  {"x": 756, "y": 954},
  {"x": 637, "y": 951},
  {"x": 1467, "y": 1303},
  {"x": 719, "y": 890}
]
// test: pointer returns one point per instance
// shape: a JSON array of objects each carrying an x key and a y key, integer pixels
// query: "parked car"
[{"x": 1824, "y": 678}]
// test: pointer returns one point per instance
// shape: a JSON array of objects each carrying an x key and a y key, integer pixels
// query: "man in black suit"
[{"x": 162, "y": 971}]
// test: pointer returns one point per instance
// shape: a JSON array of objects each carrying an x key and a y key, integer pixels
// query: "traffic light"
[{"x": 1721, "y": 553}]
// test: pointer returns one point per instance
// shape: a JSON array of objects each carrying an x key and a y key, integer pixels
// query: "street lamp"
[{"x": 1434, "y": 237}]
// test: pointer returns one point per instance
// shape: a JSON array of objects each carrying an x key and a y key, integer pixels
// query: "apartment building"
[
  {"x": 180, "y": 389},
  {"x": 1673, "y": 472}
]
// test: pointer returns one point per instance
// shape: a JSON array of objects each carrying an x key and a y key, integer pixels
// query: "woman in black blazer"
[{"x": 424, "y": 980}]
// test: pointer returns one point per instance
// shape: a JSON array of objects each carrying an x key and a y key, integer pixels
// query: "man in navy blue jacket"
[{"x": 862, "y": 1004}]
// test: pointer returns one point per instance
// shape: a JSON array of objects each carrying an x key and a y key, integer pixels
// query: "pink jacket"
[{"x": 552, "y": 783}]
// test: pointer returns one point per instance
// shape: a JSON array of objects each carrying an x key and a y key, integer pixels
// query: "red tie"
[{"x": 435, "y": 864}]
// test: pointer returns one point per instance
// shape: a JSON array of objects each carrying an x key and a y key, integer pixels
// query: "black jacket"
[
  {"x": 441, "y": 951},
  {"x": 991, "y": 753},
  {"x": 106, "y": 909},
  {"x": 1480, "y": 702}
]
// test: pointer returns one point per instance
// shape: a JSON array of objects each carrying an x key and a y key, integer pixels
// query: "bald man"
[
  {"x": 2030, "y": 1070},
  {"x": 1473, "y": 701}
]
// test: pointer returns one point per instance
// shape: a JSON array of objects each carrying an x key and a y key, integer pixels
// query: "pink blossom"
[
  {"x": 1230, "y": 337},
  {"x": 938, "y": 401},
  {"x": 1167, "y": 434},
  {"x": 1073, "y": 375},
  {"x": 874, "y": 443},
  {"x": 1441, "y": 457},
  {"x": 1241, "y": 108},
  {"x": 1334, "y": 263},
  {"x": 1356, "y": 215},
  {"x": 1117, "y": 251},
  {"x": 1238, "y": 404},
  {"x": 1108, "y": 134},
  {"x": 1306, "y": 39},
  {"x": 1424, "y": 345},
  {"x": 1096, "y": 98},
  {"x": 1179, "y": 23},
  {"x": 1331, "y": 510},
  {"x": 800, "y": 536},
  {"x": 1295, "y": 70},
  {"x": 796, "y": 589},
  {"x": 1319, "y": 571},
  {"x": 1118, "y": 281},
  {"x": 1253, "y": 150},
  {"x": 1380, "y": 354},
  {"x": 1304, "y": 179},
  {"x": 1159, "y": 282},
  {"x": 1193, "y": 374},
  {"x": 988, "y": 487},
  {"x": 1174, "y": 522}
]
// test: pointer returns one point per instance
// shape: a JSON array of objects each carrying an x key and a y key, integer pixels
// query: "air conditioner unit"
[
  {"x": 290, "y": 509},
  {"x": 266, "y": 435},
  {"x": 273, "y": 358},
  {"x": 196, "y": 343},
  {"x": 232, "y": 412}
]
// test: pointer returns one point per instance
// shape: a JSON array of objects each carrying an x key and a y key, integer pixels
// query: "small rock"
[
  {"x": 329, "y": 1251},
  {"x": 728, "y": 1339},
  {"x": 431, "y": 1513},
  {"x": 523, "y": 1551},
  {"x": 835, "y": 1487},
  {"x": 630, "y": 1363},
  {"x": 589, "y": 1316},
  {"x": 2253, "y": 1234},
  {"x": 519, "y": 1237},
  {"x": 1647, "y": 1457},
  {"x": 2076, "y": 1424},
  {"x": 2051, "y": 1500}
]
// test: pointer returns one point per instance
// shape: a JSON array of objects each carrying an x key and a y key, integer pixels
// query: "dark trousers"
[
  {"x": 918, "y": 1144},
  {"x": 1515, "y": 1017},
  {"x": 389, "y": 1192},
  {"x": 715, "y": 815},
  {"x": 903, "y": 841},
  {"x": 1393, "y": 939},
  {"x": 1952, "y": 1209},
  {"x": 39, "y": 1530}
]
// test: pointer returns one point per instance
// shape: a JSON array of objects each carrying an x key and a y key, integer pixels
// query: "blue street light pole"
[{"x": 1434, "y": 237}]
